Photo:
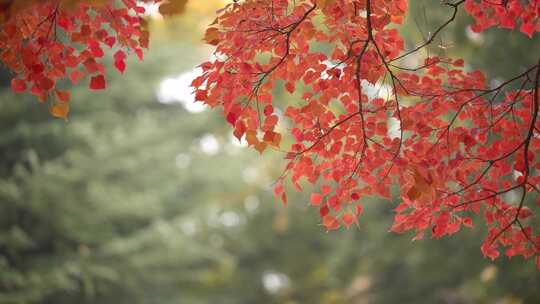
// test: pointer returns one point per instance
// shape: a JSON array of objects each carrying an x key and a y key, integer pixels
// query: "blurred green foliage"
[{"x": 124, "y": 204}]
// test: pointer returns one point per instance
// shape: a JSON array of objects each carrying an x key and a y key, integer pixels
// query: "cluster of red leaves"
[
  {"x": 509, "y": 14},
  {"x": 51, "y": 42},
  {"x": 372, "y": 114}
]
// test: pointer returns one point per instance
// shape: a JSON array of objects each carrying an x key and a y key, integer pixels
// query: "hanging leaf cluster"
[
  {"x": 371, "y": 113},
  {"x": 52, "y": 44}
]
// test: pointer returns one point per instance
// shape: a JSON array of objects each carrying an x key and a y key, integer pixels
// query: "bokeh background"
[{"x": 144, "y": 197}]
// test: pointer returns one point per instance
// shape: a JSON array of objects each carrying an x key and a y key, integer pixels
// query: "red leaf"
[
  {"x": 98, "y": 83},
  {"x": 231, "y": 118},
  {"x": 524, "y": 213},
  {"x": 290, "y": 87},
  {"x": 96, "y": 50},
  {"x": 268, "y": 110},
  {"x": 110, "y": 41},
  {"x": 120, "y": 65},
  {"x": 119, "y": 55},
  {"x": 316, "y": 199},
  {"x": 528, "y": 29},
  {"x": 325, "y": 189},
  {"x": 323, "y": 211},
  {"x": 201, "y": 95},
  {"x": 45, "y": 84},
  {"x": 467, "y": 221},
  {"x": 63, "y": 96},
  {"x": 18, "y": 85}
]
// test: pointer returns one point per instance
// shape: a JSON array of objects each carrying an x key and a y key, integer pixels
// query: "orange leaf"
[
  {"x": 413, "y": 193},
  {"x": 261, "y": 146},
  {"x": 251, "y": 137},
  {"x": 60, "y": 110},
  {"x": 212, "y": 36},
  {"x": 330, "y": 222},
  {"x": 347, "y": 219}
]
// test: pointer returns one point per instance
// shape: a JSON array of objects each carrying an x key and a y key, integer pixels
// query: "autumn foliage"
[
  {"x": 458, "y": 151},
  {"x": 50, "y": 44}
]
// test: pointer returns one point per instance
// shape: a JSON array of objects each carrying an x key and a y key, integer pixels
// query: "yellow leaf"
[{"x": 172, "y": 7}]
